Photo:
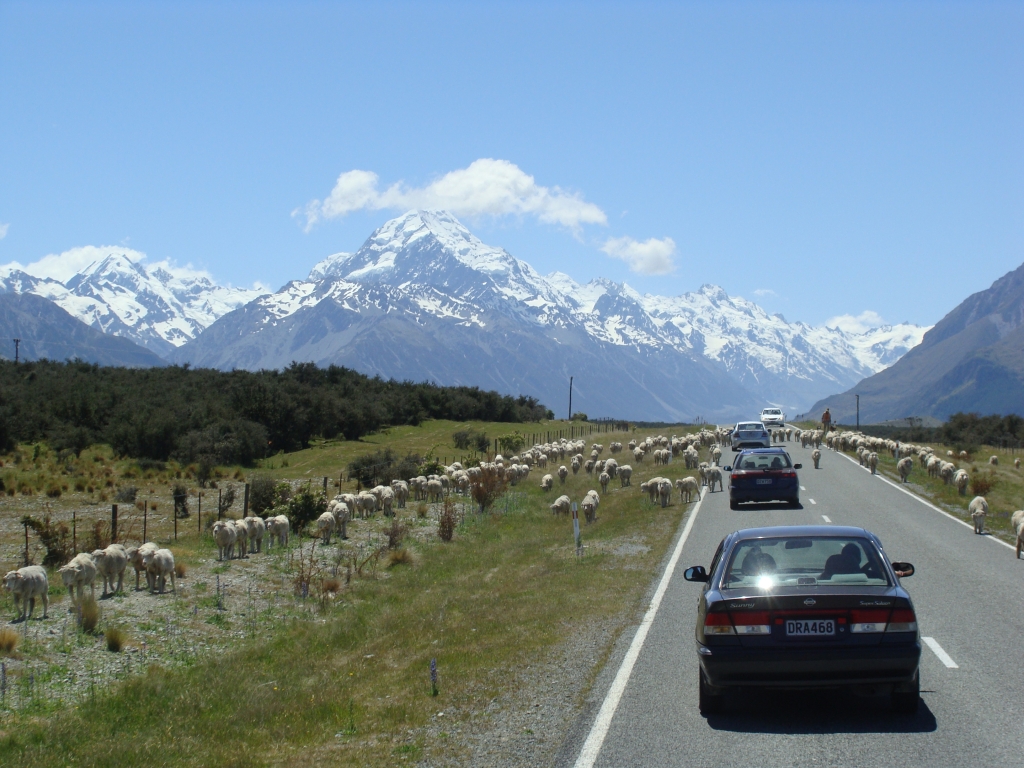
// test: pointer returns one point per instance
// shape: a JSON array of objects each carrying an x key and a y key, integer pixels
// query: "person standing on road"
[{"x": 826, "y": 421}]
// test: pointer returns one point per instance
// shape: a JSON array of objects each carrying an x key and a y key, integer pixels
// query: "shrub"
[
  {"x": 126, "y": 494},
  {"x": 422, "y": 509},
  {"x": 401, "y": 556},
  {"x": 396, "y": 532},
  {"x": 227, "y": 498},
  {"x": 8, "y": 640},
  {"x": 981, "y": 484},
  {"x": 447, "y": 521},
  {"x": 467, "y": 439},
  {"x": 116, "y": 639},
  {"x": 53, "y": 490},
  {"x": 55, "y": 537},
  {"x": 262, "y": 494},
  {"x": 383, "y": 466},
  {"x": 99, "y": 536},
  {"x": 180, "y": 495},
  {"x": 88, "y": 614},
  {"x": 305, "y": 507},
  {"x": 488, "y": 487}
]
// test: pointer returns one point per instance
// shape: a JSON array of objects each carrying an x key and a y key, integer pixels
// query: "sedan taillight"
[
  {"x": 752, "y": 623},
  {"x": 718, "y": 624},
  {"x": 902, "y": 620}
]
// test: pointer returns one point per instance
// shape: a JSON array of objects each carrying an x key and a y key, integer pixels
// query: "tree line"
[{"x": 222, "y": 417}]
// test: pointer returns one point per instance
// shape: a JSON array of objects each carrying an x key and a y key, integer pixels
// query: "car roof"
[
  {"x": 763, "y": 450},
  {"x": 779, "y": 531}
]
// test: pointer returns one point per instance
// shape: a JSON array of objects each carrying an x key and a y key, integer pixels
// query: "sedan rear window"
[
  {"x": 804, "y": 561},
  {"x": 752, "y": 427},
  {"x": 764, "y": 461}
]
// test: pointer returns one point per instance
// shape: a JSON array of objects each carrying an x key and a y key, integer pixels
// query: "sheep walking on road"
[
  {"x": 904, "y": 467},
  {"x": 688, "y": 487},
  {"x": 978, "y": 510},
  {"x": 714, "y": 475},
  {"x": 1017, "y": 521},
  {"x": 816, "y": 457}
]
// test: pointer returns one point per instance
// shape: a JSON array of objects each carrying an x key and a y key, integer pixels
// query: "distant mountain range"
[
  {"x": 423, "y": 298},
  {"x": 972, "y": 360}
]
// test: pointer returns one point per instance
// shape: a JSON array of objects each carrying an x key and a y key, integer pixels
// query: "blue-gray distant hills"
[
  {"x": 971, "y": 361},
  {"x": 47, "y": 331}
]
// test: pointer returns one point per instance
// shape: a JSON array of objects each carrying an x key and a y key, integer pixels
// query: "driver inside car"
[{"x": 757, "y": 562}]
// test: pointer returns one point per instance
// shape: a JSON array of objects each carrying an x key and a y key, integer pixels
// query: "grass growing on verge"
[{"x": 342, "y": 688}]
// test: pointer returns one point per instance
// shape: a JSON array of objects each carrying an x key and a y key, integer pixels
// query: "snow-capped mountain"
[
  {"x": 423, "y": 298},
  {"x": 158, "y": 306}
]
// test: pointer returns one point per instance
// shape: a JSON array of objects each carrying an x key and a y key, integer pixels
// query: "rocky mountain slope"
[
  {"x": 424, "y": 298},
  {"x": 972, "y": 360}
]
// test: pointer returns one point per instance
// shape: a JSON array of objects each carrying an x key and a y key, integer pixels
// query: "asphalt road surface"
[{"x": 967, "y": 590}]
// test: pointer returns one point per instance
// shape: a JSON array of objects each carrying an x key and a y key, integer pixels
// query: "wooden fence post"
[
  {"x": 245, "y": 507},
  {"x": 199, "y": 514},
  {"x": 74, "y": 532},
  {"x": 26, "y": 550},
  {"x": 113, "y": 523},
  {"x": 219, "y": 503},
  {"x": 145, "y": 518}
]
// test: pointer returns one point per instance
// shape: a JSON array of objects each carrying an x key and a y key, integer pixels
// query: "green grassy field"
[{"x": 346, "y": 680}]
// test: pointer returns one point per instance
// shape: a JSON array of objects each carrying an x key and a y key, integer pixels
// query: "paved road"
[{"x": 967, "y": 591}]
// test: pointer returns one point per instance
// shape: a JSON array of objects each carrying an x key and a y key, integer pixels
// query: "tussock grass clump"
[
  {"x": 89, "y": 614},
  {"x": 421, "y": 509},
  {"x": 8, "y": 640},
  {"x": 180, "y": 570},
  {"x": 116, "y": 639},
  {"x": 401, "y": 556},
  {"x": 396, "y": 532},
  {"x": 332, "y": 585}
]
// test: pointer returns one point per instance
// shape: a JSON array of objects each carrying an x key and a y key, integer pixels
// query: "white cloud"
[
  {"x": 64, "y": 266},
  {"x": 3, "y": 230},
  {"x": 765, "y": 292},
  {"x": 861, "y": 323},
  {"x": 650, "y": 257},
  {"x": 487, "y": 187}
]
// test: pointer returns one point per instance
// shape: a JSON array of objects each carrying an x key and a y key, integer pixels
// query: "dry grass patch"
[{"x": 9, "y": 639}]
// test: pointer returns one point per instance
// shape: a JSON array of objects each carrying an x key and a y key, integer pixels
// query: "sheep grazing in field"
[
  {"x": 604, "y": 478},
  {"x": 562, "y": 474},
  {"x": 325, "y": 527},
  {"x": 1016, "y": 463},
  {"x": 342, "y": 515},
  {"x": 401, "y": 491},
  {"x": 256, "y": 528},
  {"x": 946, "y": 472},
  {"x": 241, "y": 538},
  {"x": 964, "y": 455},
  {"x": 978, "y": 510},
  {"x": 561, "y": 506},
  {"x": 589, "y": 505},
  {"x": 625, "y": 473},
  {"x": 435, "y": 490},
  {"x": 589, "y": 466},
  {"x": 615, "y": 447},
  {"x": 26, "y": 584},
  {"x": 110, "y": 564},
  {"x": 367, "y": 502},
  {"x": 225, "y": 534},
  {"x": 638, "y": 455},
  {"x": 993, "y": 460},
  {"x": 688, "y": 487},
  {"x": 611, "y": 466},
  {"x": 651, "y": 488},
  {"x": 873, "y": 462},
  {"x": 961, "y": 480},
  {"x": 159, "y": 565},
  {"x": 664, "y": 492},
  {"x": 1017, "y": 521},
  {"x": 546, "y": 482},
  {"x": 576, "y": 464},
  {"x": 904, "y": 467},
  {"x": 136, "y": 556},
  {"x": 816, "y": 457},
  {"x": 277, "y": 528},
  {"x": 77, "y": 574},
  {"x": 714, "y": 475}
]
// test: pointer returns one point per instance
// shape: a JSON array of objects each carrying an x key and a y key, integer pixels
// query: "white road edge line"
[
  {"x": 928, "y": 504},
  {"x": 825, "y": 518},
  {"x": 944, "y": 657},
  {"x": 598, "y": 731}
]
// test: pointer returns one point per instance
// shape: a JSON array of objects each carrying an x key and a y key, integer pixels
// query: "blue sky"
[{"x": 822, "y": 159}]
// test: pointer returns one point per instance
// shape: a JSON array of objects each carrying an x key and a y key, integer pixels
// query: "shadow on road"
[
  {"x": 802, "y": 712},
  {"x": 767, "y": 506}
]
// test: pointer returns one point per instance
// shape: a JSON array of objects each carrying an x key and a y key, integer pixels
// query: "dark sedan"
[
  {"x": 763, "y": 474},
  {"x": 806, "y": 607}
]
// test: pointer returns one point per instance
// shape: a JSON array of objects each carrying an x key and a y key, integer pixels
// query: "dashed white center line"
[
  {"x": 802, "y": 488},
  {"x": 825, "y": 518},
  {"x": 944, "y": 657},
  {"x": 813, "y": 501}
]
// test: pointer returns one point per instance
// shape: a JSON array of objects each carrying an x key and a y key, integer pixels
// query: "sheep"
[
  {"x": 665, "y": 492},
  {"x": 561, "y": 505},
  {"x": 715, "y": 476},
  {"x": 688, "y": 486},
  {"x": 716, "y": 455},
  {"x": 903, "y": 466},
  {"x": 325, "y": 527},
  {"x": 1017, "y": 521},
  {"x": 589, "y": 505},
  {"x": 367, "y": 502},
  {"x": 961, "y": 480},
  {"x": 136, "y": 556},
  {"x": 278, "y": 527},
  {"x": 256, "y": 528},
  {"x": 604, "y": 478},
  {"x": 946, "y": 472},
  {"x": 562, "y": 474},
  {"x": 576, "y": 464},
  {"x": 546, "y": 482},
  {"x": 111, "y": 562},
  {"x": 225, "y": 534},
  {"x": 589, "y": 466},
  {"x": 160, "y": 565},
  {"x": 241, "y": 538},
  {"x": 638, "y": 455},
  {"x": 76, "y": 574},
  {"x": 625, "y": 473},
  {"x": 26, "y": 584},
  {"x": 873, "y": 462},
  {"x": 978, "y": 509},
  {"x": 341, "y": 514},
  {"x": 1016, "y": 463},
  {"x": 401, "y": 489},
  {"x": 993, "y": 460},
  {"x": 816, "y": 457}
]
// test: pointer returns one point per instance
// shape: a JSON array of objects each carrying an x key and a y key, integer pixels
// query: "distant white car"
[
  {"x": 773, "y": 417},
  {"x": 750, "y": 434}
]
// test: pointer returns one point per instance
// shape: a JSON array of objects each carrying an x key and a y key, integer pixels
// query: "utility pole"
[
  {"x": 858, "y": 410},
  {"x": 16, "y": 343},
  {"x": 570, "y": 398}
]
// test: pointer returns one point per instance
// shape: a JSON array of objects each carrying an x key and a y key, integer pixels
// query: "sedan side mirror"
[
  {"x": 798, "y": 466},
  {"x": 727, "y": 468},
  {"x": 903, "y": 569},
  {"x": 696, "y": 573}
]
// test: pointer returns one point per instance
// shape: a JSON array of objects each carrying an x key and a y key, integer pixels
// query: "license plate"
[
  {"x": 810, "y": 627},
  {"x": 768, "y": 481}
]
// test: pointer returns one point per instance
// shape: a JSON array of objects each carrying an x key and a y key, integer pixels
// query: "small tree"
[
  {"x": 262, "y": 494},
  {"x": 447, "y": 520},
  {"x": 305, "y": 507},
  {"x": 179, "y": 492},
  {"x": 488, "y": 487},
  {"x": 55, "y": 537},
  {"x": 226, "y": 500}
]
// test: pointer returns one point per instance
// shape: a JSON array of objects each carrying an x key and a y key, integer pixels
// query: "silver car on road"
[
  {"x": 750, "y": 434},
  {"x": 773, "y": 417}
]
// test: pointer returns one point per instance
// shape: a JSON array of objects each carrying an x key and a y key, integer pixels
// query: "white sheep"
[
  {"x": 110, "y": 563},
  {"x": 325, "y": 525},
  {"x": 576, "y": 464},
  {"x": 401, "y": 489},
  {"x": 562, "y": 474},
  {"x": 625, "y": 473},
  {"x": 256, "y": 528},
  {"x": 993, "y": 460},
  {"x": 434, "y": 490},
  {"x": 136, "y": 556},
  {"x": 159, "y": 565},
  {"x": 26, "y": 584},
  {"x": 665, "y": 492},
  {"x": 904, "y": 467},
  {"x": 1017, "y": 521},
  {"x": 816, "y": 457},
  {"x": 1016, "y": 463},
  {"x": 714, "y": 475},
  {"x": 873, "y": 462},
  {"x": 81, "y": 571},
  {"x": 562, "y": 505},
  {"x": 604, "y": 478},
  {"x": 688, "y": 487},
  {"x": 224, "y": 533},
  {"x": 546, "y": 482},
  {"x": 978, "y": 509},
  {"x": 241, "y": 538},
  {"x": 277, "y": 528},
  {"x": 961, "y": 480},
  {"x": 589, "y": 505}
]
